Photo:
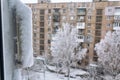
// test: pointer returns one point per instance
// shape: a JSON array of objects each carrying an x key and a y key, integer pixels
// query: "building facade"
[{"x": 93, "y": 20}]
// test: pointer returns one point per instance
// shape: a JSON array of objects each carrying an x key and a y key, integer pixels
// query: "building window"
[
  {"x": 89, "y": 31},
  {"x": 49, "y": 29},
  {"x": 109, "y": 17},
  {"x": 87, "y": 50},
  {"x": 42, "y": 12},
  {"x": 116, "y": 24},
  {"x": 41, "y": 18},
  {"x": 41, "y": 47},
  {"x": 64, "y": 10},
  {"x": 98, "y": 32},
  {"x": 71, "y": 10},
  {"x": 34, "y": 40},
  {"x": 55, "y": 29},
  {"x": 49, "y": 23},
  {"x": 117, "y": 17},
  {"x": 71, "y": 17},
  {"x": 109, "y": 10},
  {"x": 64, "y": 17},
  {"x": 56, "y": 18},
  {"x": 97, "y": 39},
  {"x": 89, "y": 17},
  {"x": 49, "y": 41},
  {"x": 34, "y": 23},
  {"x": 41, "y": 35},
  {"x": 49, "y": 17},
  {"x": 99, "y": 11},
  {"x": 42, "y": 2},
  {"x": 49, "y": 10},
  {"x": 81, "y": 18},
  {"x": 41, "y": 24},
  {"x": 56, "y": 10},
  {"x": 88, "y": 45},
  {"x": 34, "y": 34},
  {"x": 49, "y": 36},
  {"x": 98, "y": 25},
  {"x": 80, "y": 31},
  {"x": 89, "y": 11},
  {"x": 80, "y": 37},
  {"x": 89, "y": 38},
  {"x": 89, "y": 24},
  {"x": 81, "y": 10},
  {"x": 41, "y": 29},
  {"x": 108, "y": 25},
  {"x": 98, "y": 18},
  {"x": 95, "y": 59},
  {"x": 83, "y": 4},
  {"x": 41, "y": 41}
]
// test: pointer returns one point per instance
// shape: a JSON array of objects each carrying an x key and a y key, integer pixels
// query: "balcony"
[
  {"x": 116, "y": 26},
  {"x": 80, "y": 31},
  {"x": 56, "y": 13},
  {"x": 117, "y": 11},
  {"x": 80, "y": 25},
  {"x": 117, "y": 17},
  {"x": 81, "y": 18},
  {"x": 80, "y": 38},
  {"x": 88, "y": 39},
  {"x": 81, "y": 11},
  {"x": 56, "y": 18}
]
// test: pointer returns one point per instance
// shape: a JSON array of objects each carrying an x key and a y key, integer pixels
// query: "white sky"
[{"x": 35, "y": 1}]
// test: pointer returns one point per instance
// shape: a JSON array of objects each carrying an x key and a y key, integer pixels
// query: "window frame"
[{"x": 1, "y": 45}]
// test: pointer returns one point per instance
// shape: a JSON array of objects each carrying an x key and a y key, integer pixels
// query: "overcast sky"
[{"x": 34, "y": 1}]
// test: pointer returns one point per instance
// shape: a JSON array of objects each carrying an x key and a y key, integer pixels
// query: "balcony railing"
[
  {"x": 80, "y": 38},
  {"x": 88, "y": 39},
  {"x": 81, "y": 20},
  {"x": 81, "y": 13},
  {"x": 56, "y": 13},
  {"x": 116, "y": 26},
  {"x": 117, "y": 17},
  {"x": 80, "y": 25}
]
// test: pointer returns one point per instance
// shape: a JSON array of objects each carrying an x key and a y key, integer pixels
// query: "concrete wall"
[{"x": 8, "y": 41}]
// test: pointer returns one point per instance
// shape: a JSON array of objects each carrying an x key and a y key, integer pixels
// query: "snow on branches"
[
  {"x": 64, "y": 43},
  {"x": 108, "y": 51}
]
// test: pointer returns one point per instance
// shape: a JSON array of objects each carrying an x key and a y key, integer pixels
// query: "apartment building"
[{"x": 92, "y": 19}]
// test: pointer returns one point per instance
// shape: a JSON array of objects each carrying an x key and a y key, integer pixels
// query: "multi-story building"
[{"x": 93, "y": 20}]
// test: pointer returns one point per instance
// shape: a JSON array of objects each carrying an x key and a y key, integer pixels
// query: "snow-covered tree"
[
  {"x": 108, "y": 51},
  {"x": 63, "y": 45}
]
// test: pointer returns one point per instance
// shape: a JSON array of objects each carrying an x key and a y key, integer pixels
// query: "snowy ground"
[{"x": 47, "y": 75}]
